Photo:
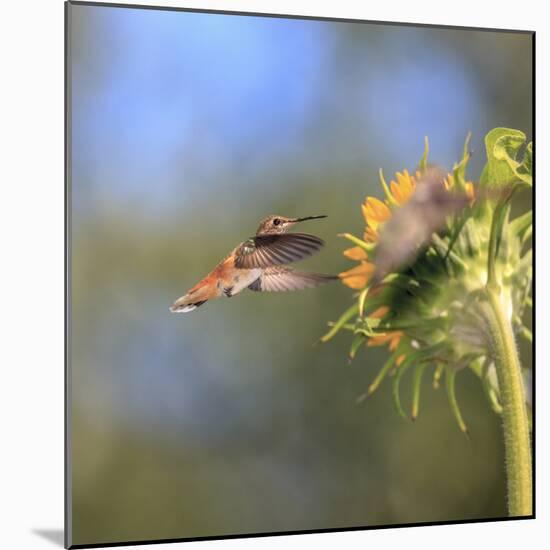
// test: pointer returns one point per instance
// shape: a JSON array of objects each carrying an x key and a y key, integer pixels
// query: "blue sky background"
[{"x": 169, "y": 103}]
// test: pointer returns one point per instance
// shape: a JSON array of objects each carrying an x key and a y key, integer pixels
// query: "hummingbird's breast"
[
  {"x": 234, "y": 278},
  {"x": 243, "y": 278}
]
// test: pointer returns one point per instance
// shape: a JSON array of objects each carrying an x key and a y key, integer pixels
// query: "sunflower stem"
[
  {"x": 499, "y": 215},
  {"x": 491, "y": 270},
  {"x": 514, "y": 412}
]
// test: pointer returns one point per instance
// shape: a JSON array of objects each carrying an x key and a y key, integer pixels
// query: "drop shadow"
[{"x": 52, "y": 535}]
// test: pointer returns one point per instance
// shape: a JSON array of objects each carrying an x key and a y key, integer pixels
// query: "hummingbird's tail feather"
[
  {"x": 203, "y": 291},
  {"x": 186, "y": 308}
]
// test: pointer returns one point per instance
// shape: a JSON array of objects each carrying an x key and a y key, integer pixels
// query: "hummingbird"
[{"x": 259, "y": 264}]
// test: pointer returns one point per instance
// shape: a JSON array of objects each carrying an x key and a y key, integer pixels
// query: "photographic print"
[{"x": 299, "y": 274}]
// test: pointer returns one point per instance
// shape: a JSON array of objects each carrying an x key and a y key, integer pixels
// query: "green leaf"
[
  {"x": 526, "y": 333},
  {"x": 441, "y": 246},
  {"x": 526, "y": 167},
  {"x": 356, "y": 343},
  {"x": 346, "y": 326},
  {"x": 424, "y": 160},
  {"x": 437, "y": 375},
  {"x": 412, "y": 358},
  {"x": 359, "y": 242},
  {"x": 484, "y": 177},
  {"x": 367, "y": 326},
  {"x": 500, "y": 214},
  {"x": 503, "y": 165},
  {"x": 386, "y": 189},
  {"x": 492, "y": 396},
  {"x": 525, "y": 236},
  {"x": 395, "y": 386},
  {"x": 472, "y": 237},
  {"x": 459, "y": 170},
  {"x": 361, "y": 301},
  {"x": 521, "y": 226},
  {"x": 344, "y": 318},
  {"x": 450, "y": 377},
  {"x": 507, "y": 148},
  {"x": 417, "y": 383},
  {"x": 379, "y": 377},
  {"x": 526, "y": 263},
  {"x": 481, "y": 368}
]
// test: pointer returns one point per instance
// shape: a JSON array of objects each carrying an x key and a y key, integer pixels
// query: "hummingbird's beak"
[{"x": 308, "y": 218}]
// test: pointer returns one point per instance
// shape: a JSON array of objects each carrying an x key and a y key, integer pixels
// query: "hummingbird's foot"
[{"x": 228, "y": 291}]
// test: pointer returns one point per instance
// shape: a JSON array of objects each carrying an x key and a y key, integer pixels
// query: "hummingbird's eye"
[{"x": 276, "y": 221}]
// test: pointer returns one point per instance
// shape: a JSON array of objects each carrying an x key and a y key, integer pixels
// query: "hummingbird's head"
[{"x": 280, "y": 224}]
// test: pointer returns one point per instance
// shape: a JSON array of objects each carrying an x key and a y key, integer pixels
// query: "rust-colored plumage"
[{"x": 259, "y": 264}]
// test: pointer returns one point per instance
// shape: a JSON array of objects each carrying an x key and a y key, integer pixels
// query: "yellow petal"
[
  {"x": 357, "y": 277},
  {"x": 470, "y": 190},
  {"x": 403, "y": 189},
  {"x": 370, "y": 235},
  {"x": 381, "y": 339},
  {"x": 357, "y": 283},
  {"x": 404, "y": 180},
  {"x": 396, "y": 192},
  {"x": 395, "y": 340},
  {"x": 375, "y": 212},
  {"x": 380, "y": 312},
  {"x": 355, "y": 253},
  {"x": 449, "y": 184},
  {"x": 366, "y": 216}
]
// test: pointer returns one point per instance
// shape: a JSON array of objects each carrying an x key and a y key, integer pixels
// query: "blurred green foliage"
[{"x": 302, "y": 455}]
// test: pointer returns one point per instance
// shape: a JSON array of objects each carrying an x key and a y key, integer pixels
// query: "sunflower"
[
  {"x": 427, "y": 312},
  {"x": 375, "y": 213},
  {"x": 458, "y": 301}
]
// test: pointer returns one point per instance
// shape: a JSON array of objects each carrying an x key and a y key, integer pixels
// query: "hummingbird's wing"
[
  {"x": 412, "y": 225},
  {"x": 263, "y": 251},
  {"x": 281, "y": 279}
]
